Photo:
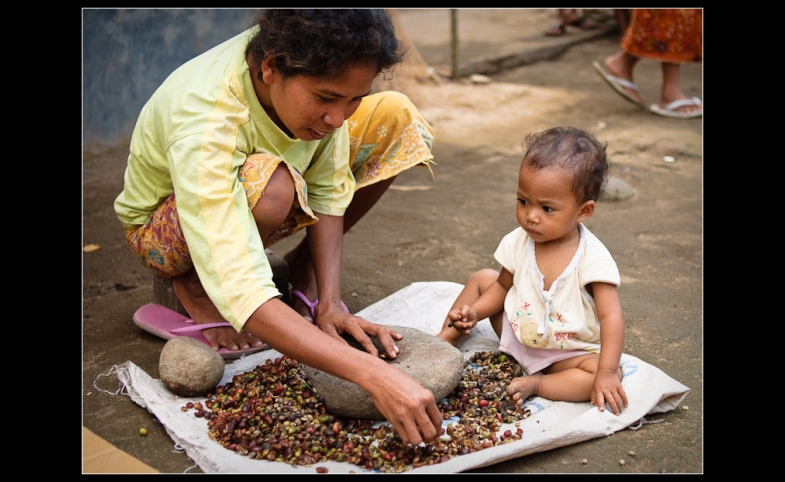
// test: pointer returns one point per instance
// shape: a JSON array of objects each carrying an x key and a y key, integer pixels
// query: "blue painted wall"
[{"x": 127, "y": 53}]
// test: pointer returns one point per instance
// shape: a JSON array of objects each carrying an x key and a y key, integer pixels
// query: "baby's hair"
[
  {"x": 575, "y": 150},
  {"x": 322, "y": 42}
]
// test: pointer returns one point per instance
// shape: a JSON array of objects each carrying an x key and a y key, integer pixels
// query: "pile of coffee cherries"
[{"x": 272, "y": 413}]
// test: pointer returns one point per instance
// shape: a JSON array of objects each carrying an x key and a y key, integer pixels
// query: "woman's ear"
[
  {"x": 585, "y": 211},
  {"x": 268, "y": 71}
]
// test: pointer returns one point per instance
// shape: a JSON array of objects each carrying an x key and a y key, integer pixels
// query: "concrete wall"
[{"x": 127, "y": 53}]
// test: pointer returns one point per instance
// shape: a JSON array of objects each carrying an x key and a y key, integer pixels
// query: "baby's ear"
[{"x": 586, "y": 210}]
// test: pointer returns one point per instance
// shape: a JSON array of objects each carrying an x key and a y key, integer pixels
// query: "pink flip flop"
[
  {"x": 312, "y": 304},
  {"x": 167, "y": 324}
]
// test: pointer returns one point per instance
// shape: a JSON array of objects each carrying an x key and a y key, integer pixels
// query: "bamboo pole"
[{"x": 454, "y": 41}]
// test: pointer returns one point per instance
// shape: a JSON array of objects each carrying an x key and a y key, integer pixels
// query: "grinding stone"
[{"x": 433, "y": 362}]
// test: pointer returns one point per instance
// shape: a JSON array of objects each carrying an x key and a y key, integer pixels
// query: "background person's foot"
[
  {"x": 555, "y": 30},
  {"x": 584, "y": 23}
]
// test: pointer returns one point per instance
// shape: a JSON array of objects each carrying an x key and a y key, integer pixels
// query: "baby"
[{"x": 555, "y": 300}]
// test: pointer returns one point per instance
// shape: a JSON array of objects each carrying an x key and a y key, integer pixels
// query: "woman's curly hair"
[{"x": 321, "y": 42}]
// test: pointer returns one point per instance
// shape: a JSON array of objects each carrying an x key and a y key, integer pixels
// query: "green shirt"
[{"x": 191, "y": 138}]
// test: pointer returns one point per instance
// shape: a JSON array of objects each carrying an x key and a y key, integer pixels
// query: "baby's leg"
[
  {"x": 568, "y": 380},
  {"x": 476, "y": 285}
]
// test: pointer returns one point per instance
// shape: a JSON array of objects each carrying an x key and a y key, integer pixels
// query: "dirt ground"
[{"x": 444, "y": 228}]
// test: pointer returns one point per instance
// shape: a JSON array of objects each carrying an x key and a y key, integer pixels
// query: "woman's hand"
[
  {"x": 406, "y": 404},
  {"x": 335, "y": 322}
]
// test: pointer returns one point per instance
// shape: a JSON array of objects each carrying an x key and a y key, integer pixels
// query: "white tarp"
[{"x": 421, "y": 305}]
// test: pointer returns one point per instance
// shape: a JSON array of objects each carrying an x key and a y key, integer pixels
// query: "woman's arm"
[
  {"x": 326, "y": 247},
  {"x": 406, "y": 404}
]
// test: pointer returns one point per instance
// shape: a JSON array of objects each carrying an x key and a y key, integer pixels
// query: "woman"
[{"x": 267, "y": 133}]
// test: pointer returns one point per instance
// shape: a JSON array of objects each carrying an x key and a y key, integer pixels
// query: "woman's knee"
[{"x": 275, "y": 202}]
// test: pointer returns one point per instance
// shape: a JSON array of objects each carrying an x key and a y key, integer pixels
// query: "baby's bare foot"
[
  {"x": 450, "y": 335},
  {"x": 521, "y": 388}
]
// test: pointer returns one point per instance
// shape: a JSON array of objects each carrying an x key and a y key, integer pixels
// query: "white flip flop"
[
  {"x": 670, "y": 109},
  {"x": 619, "y": 85}
]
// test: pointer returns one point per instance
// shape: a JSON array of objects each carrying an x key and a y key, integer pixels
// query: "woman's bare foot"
[
  {"x": 191, "y": 294},
  {"x": 521, "y": 388},
  {"x": 621, "y": 65}
]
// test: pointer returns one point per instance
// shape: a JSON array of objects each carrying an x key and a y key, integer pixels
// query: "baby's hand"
[
  {"x": 463, "y": 319},
  {"x": 608, "y": 389}
]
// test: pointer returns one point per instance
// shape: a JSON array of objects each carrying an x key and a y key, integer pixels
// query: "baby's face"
[{"x": 547, "y": 209}]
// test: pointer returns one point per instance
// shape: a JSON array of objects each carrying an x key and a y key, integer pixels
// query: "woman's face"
[{"x": 309, "y": 108}]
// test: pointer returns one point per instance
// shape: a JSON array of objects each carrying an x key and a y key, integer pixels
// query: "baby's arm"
[
  {"x": 490, "y": 302},
  {"x": 607, "y": 384}
]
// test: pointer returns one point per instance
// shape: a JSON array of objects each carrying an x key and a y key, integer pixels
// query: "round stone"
[
  {"x": 189, "y": 368},
  {"x": 433, "y": 362}
]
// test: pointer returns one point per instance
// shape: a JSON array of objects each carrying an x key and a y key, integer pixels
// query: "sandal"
[
  {"x": 584, "y": 23},
  {"x": 312, "y": 304},
  {"x": 670, "y": 109},
  {"x": 167, "y": 324},
  {"x": 555, "y": 30}
]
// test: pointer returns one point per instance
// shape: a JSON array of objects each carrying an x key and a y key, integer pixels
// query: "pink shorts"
[{"x": 531, "y": 359}]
